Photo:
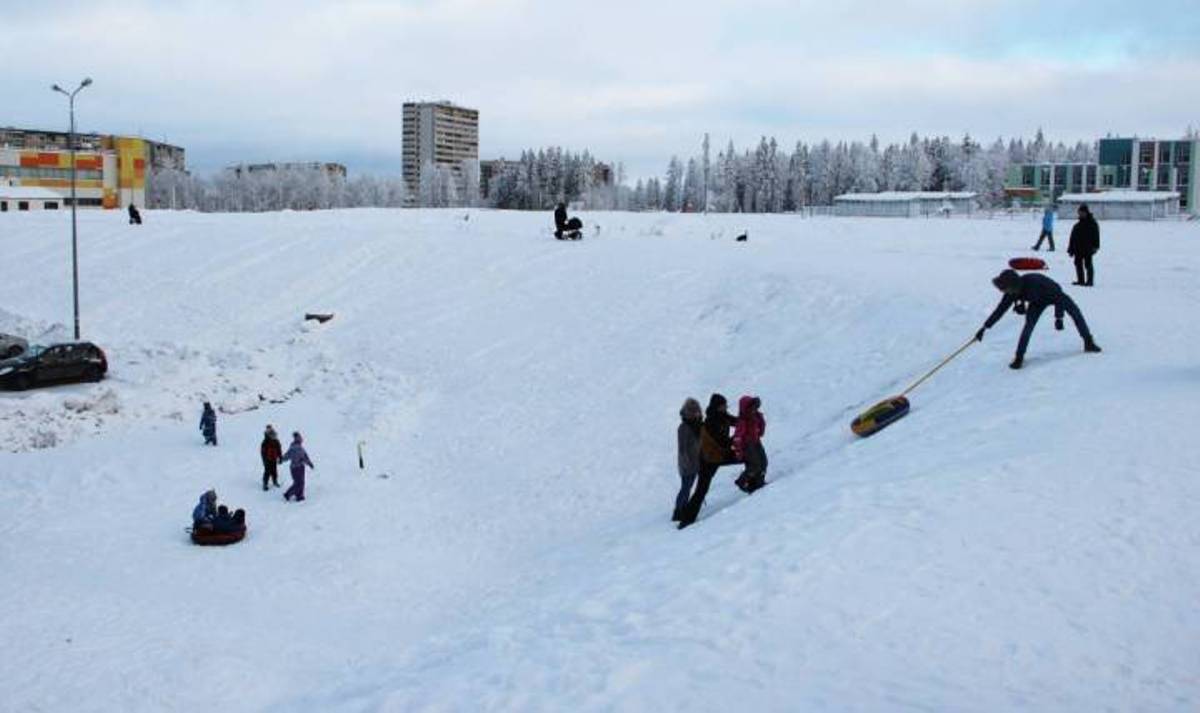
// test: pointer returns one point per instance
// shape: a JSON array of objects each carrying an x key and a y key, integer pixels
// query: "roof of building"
[
  {"x": 899, "y": 196},
  {"x": 1119, "y": 197},
  {"x": 28, "y": 193}
]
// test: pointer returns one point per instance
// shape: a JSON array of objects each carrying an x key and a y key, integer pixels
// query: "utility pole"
[{"x": 74, "y": 201}]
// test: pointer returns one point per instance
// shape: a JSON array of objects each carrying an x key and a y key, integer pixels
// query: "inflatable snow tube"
[
  {"x": 880, "y": 416},
  {"x": 207, "y": 537},
  {"x": 1028, "y": 263}
]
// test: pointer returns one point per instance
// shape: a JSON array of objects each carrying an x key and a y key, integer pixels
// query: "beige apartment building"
[{"x": 440, "y": 135}]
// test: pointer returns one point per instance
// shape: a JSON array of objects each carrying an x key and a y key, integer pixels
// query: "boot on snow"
[
  {"x": 1017, "y": 363},
  {"x": 1090, "y": 346}
]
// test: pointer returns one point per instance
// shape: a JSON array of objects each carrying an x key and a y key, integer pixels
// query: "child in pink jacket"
[{"x": 747, "y": 444}]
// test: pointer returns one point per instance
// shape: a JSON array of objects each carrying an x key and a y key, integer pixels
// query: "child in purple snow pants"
[{"x": 298, "y": 458}]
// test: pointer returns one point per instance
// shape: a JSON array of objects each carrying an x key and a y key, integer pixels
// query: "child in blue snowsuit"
[
  {"x": 1047, "y": 229},
  {"x": 208, "y": 424},
  {"x": 298, "y": 458}
]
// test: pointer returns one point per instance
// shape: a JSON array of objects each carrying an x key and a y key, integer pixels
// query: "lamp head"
[
  {"x": 86, "y": 82},
  {"x": 58, "y": 89}
]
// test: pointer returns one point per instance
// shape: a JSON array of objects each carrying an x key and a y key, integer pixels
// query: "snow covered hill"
[{"x": 1021, "y": 541}]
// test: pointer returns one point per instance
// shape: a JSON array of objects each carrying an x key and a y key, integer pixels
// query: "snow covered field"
[{"x": 1021, "y": 541}]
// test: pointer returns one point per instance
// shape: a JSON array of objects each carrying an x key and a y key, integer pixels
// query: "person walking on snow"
[
  {"x": 716, "y": 450},
  {"x": 747, "y": 444},
  {"x": 1037, "y": 292},
  {"x": 271, "y": 451},
  {"x": 1085, "y": 242},
  {"x": 298, "y": 458},
  {"x": 688, "y": 438},
  {"x": 1047, "y": 229},
  {"x": 208, "y": 424}
]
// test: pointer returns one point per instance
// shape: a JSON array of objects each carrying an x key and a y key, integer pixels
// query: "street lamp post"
[{"x": 74, "y": 232}]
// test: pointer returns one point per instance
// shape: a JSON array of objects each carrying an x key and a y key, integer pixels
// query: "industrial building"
[
  {"x": 437, "y": 135},
  {"x": 20, "y": 198},
  {"x": 1042, "y": 183},
  {"x": 901, "y": 204},
  {"x": 110, "y": 171},
  {"x": 1124, "y": 165},
  {"x": 1122, "y": 204}
]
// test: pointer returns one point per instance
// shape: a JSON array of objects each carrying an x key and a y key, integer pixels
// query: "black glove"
[
  {"x": 1058, "y": 323},
  {"x": 979, "y": 334}
]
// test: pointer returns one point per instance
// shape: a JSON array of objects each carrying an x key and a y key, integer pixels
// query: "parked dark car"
[{"x": 57, "y": 363}]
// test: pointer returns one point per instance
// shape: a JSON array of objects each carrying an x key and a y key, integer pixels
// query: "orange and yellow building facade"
[{"x": 110, "y": 176}]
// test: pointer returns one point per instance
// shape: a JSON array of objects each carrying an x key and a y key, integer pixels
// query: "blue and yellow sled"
[{"x": 880, "y": 416}]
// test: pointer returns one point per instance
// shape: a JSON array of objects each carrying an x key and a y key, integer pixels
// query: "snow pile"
[{"x": 1022, "y": 540}]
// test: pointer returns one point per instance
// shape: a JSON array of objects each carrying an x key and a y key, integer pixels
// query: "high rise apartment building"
[{"x": 438, "y": 135}]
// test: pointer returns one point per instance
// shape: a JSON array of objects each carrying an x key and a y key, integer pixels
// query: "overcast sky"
[{"x": 632, "y": 81}]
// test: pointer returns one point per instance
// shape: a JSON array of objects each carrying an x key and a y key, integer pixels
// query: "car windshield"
[{"x": 34, "y": 350}]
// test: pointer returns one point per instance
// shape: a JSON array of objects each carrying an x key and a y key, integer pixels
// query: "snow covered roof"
[
  {"x": 907, "y": 196},
  {"x": 28, "y": 193},
  {"x": 1119, "y": 197}
]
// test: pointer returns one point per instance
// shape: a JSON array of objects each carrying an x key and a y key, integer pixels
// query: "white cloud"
[{"x": 628, "y": 80}]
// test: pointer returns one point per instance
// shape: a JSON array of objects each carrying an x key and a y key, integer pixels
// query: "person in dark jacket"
[
  {"x": 716, "y": 450},
  {"x": 208, "y": 424},
  {"x": 564, "y": 228},
  {"x": 688, "y": 442},
  {"x": 1085, "y": 242},
  {"x": 747, "y": 444},
  {"x": 298, "y": 458},
  {"x": 1036, "y": 292},
  {"x": 229, "y": 521},
  {"x": 271, "y": 452}
]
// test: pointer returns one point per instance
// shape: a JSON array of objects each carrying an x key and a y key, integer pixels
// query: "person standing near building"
[
  {"x": 1047, "y": 228},
  {"x": 1085, "y": 242}
]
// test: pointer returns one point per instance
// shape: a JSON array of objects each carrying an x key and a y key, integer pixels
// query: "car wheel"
[
  {"x": 93, "y": 373},
  {"x": 23, "y": 382}
]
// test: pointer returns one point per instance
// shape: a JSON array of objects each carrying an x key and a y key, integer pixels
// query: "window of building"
[
  {"x": 1164, "y": 152},
  {"x": 1044, "y": 177},
  {"x": 1181, "y": 178},
  {"x": 3, "y": 206},
  {"x": 1164, "y": 176},
  {"x": 1144, "y": 176},
  {"x": 51, "y": 205},
  {"x": 1091, "y": 176},
  {"x": 22, "y": 205},
  {"x": 1077, "y": 175},
  {"x": 1183, "y": 152},
  {"x": 1108, "y": 179},
  {"x": 1146, "y": 153}
]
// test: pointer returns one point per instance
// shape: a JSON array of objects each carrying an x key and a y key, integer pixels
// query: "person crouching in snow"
[
  {"x": 208, "y": 424},
  {"x": 747, "y": 444},
  {"x": 271, "y": 452},
  {"x": 1037, "y": 292},
  {"x": 298, "y": 458},
  {"x": 716, "y": 450},
  {"x": 689, "y": 453}
]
